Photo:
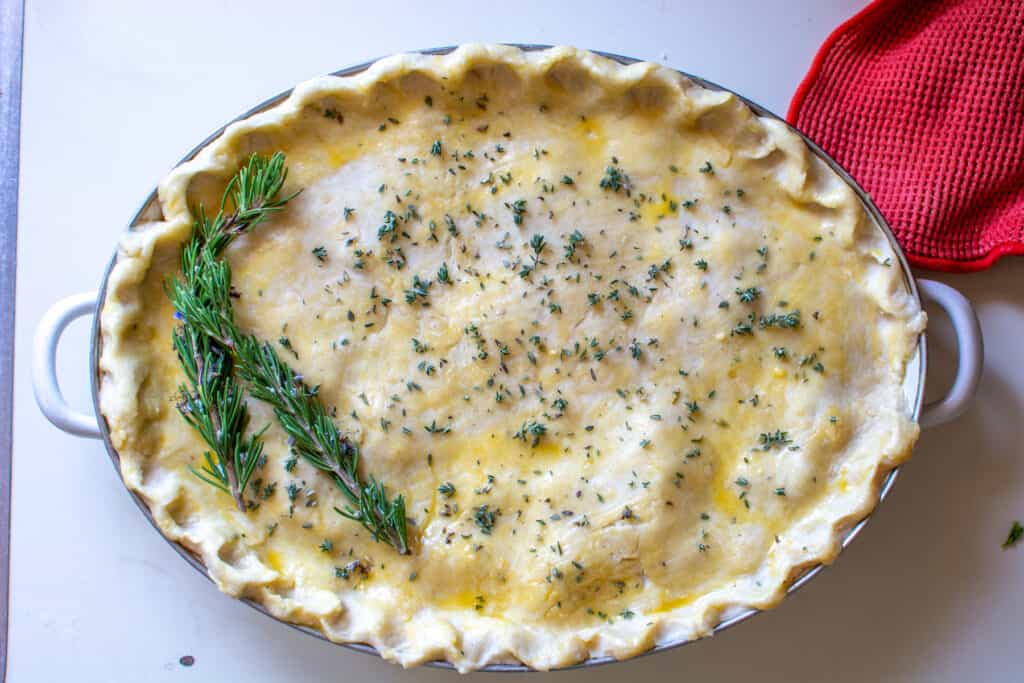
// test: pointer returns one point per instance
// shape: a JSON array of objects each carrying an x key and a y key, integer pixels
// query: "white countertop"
[{"x": 116, "y": 92}]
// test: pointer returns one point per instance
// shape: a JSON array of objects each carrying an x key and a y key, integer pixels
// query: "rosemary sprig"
[
  {"x": 213, "y": 404},
  {"x": 202, "y": 298},
  {"x": 211, "y": 401},
  {"x": 314, "y": 436}
]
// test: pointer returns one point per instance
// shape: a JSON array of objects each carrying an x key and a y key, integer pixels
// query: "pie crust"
[{"x": 713, "y": 336}]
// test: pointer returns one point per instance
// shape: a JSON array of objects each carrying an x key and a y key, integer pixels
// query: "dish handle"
[
  {"x": 44, "y": 365},
  {"x": 970, "y": 352}
]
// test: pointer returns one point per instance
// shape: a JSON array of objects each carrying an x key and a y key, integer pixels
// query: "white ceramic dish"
[{"x": 958, "y": 309}]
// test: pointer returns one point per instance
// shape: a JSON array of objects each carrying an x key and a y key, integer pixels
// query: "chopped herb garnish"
[
  {"x": 485, "y": 518},
  {"x": 781, "y": 320},
  {"x": 388, "y": 227},
  {"x": 419, "y": 290},
  {"x": 452, "y": 229},
  {"x": 533, "y": 429},
  {"x": 433, "y": 428},
  {"x": 769, "y": 440},
  {"x": 614, "y": 179},
  {"x": 749, "y": 294},
  {"x": 518, "y": 209},
  {"x": 575, "y": 239},
  {"x": 743, "y": 329},
  {"x": 1016, "y": 533}
]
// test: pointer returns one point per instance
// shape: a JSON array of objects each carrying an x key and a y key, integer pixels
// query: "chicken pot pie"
[{"x": 632, "y": 354}]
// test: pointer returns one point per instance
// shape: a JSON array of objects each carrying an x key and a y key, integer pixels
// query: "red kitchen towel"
[{"x": 922, "y": 101}]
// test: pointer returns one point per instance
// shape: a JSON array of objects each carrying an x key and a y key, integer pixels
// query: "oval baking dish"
[{"x": 486, "y": 518}]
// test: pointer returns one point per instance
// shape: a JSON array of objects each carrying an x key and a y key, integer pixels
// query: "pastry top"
[{"x": 633, "y": 355}]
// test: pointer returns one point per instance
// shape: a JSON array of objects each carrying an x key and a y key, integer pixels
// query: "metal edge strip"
[
  {"x": 802, "y": 578},
  {"x": 12, "y": 13}
]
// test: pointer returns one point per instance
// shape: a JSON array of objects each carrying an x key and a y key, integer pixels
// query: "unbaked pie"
[{"x": 632, "y": 354}]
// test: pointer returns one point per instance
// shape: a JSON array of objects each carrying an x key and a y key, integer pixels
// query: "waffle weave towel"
[{"x": 922, "y": 101}]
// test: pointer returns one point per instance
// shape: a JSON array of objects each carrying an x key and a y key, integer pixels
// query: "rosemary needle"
[{"x": 215, "y": 355}]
